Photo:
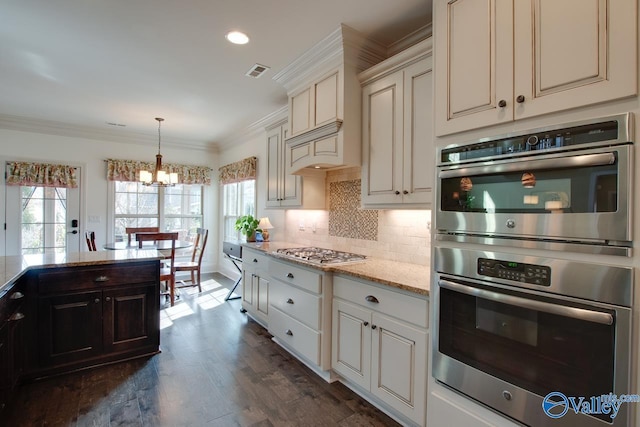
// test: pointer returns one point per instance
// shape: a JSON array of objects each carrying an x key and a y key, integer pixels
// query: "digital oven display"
[{"x": 515, "y": 271}]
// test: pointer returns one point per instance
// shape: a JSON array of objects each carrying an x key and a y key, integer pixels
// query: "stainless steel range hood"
[{"x": 325, "y": 101}]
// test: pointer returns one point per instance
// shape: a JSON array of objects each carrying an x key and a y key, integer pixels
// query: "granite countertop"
[
  {"x": 12, "y": 267},
  {"x": 410, "y": 277}
]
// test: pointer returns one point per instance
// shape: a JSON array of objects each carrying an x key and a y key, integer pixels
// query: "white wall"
[{"x": 90, "y": 155}]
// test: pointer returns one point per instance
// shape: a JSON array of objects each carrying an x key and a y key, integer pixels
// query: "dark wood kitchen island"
[{"x": 60, "y": 313}]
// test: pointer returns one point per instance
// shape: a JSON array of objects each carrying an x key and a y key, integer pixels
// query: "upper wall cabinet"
[
  {"x": 324, "y": 101},
  {"x": 397, "y": 130},
  {"x": 503, "y": 60}
]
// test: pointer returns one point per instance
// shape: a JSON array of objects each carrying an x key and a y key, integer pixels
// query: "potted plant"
[{"x": 247, "y": 225}]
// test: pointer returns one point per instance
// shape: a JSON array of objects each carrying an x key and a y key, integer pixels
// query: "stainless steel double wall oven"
[{"x": 513, "y": 326}]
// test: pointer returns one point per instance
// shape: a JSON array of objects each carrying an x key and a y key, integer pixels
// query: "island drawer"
[
  {"x": 297, "y": 303},
  {"x": 295, "y": 335},
  {"x": 394, "y": 303},
  {"x": 79, "y": 278},
  {"x": 288, "y": 273},
  {"x": 254, "y": 261}
]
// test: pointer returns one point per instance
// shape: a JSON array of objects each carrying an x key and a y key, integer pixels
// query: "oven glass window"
[
  {"x": 537, "y": 351},
  {"x": 570, "y": 190}
]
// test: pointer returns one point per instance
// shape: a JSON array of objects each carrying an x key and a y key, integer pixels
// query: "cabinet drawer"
[
  {"x": 254, "y": 261},
  {"x": 288, "y": 273},
  {"x": 297, "y": 303},
  {"x": 297, "y": 336},
  {"x": 401, "y": 306},
  {"x": 69, "y": 279}
]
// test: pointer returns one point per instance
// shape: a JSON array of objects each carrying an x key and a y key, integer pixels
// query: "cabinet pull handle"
[
  {"x": 101, "y": 279},
  {"x": 502, "y": 103},
  {"x": 97, "y": 300},
  {"x": 288, "y": 332},
  {"x": 371, "y": 298},
  {"x": 290, "y": 275},
  {"x": 405, "y": 192},
  {"x": 16, "y": 316},
  {"x": 520, "y": 99},
  {"x": 373, "y": 326},
  {"x": 17, "y": 295},
  {"x": 255, "y": 260},
  {"x": 289, "y": 301},
  {"x": 366, "y": 323}
]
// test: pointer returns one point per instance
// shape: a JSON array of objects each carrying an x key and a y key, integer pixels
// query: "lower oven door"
[{"x": 536, "y": 358}]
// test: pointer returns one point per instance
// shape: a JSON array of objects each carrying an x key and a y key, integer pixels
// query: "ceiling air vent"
[{"x": 257, "y": 70}]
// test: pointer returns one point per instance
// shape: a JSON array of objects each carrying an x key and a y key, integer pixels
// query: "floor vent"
[{"x": 257, "y": 70}]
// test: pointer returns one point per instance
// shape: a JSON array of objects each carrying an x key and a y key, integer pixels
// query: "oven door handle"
[
  {"x": 560, "y": 310},
  {"x": 529, "y": 165}
]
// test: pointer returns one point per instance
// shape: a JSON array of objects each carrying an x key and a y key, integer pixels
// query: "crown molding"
[
  {"x": 410, "y": 39},
  {"x": 50, "y": 127},
  {"x": 256, "y": 128},
  {"x": 412, "y": 54}
]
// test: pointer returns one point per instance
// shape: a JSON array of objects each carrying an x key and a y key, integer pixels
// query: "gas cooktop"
[{"x": 321, "y": 255}]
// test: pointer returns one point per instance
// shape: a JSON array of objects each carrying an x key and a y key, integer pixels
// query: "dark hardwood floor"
[{"x": 217, "y": 368}]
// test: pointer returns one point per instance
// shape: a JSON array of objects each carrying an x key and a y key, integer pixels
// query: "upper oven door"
[{"x": 582, "y": 195}]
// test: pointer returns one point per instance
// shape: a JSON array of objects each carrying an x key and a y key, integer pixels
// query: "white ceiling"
[{"x": 78, "y": 64}]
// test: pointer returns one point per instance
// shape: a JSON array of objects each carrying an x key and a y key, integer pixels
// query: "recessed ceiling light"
[{"x": 236, "y": 37}]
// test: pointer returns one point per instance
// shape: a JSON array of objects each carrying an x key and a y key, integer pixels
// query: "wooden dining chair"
[
  {"x": 90, "y": 237},
  {"x": 130, "y": 231},
  {"x": 194, "y": 266},
  {"x": 167, "y": 267}
]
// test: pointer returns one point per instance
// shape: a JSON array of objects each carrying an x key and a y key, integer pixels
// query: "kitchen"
[{"x": 311, "y": 227}]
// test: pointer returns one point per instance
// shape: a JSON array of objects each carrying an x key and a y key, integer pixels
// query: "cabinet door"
[
  {"x": 131, "y": 318},
  {"x": 351, "y": 345},
  {"x": 262, "y": 297},
  {"x": 419, "y": 149},
  {"x": 291, "y": 187},
  {"x": 247, "y": 289},
  {"x": 69, "y": 327},
  {"x": 571, "y": 53},
  {"x": 382, "y": 140},
  {"x": 300, "y": 114},
  {"x": 399, "y": 366},
  {"x": 274, "y": 167},
  {"x": 5, "y": 372},
  {"x": 474, "y": 64}
]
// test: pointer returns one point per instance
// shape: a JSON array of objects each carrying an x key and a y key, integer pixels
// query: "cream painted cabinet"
[
  {"x": 504, "y": 60},
  {"x": 397, "y": 132},
  {"x": 283, "y": 190},
  {"x": 375, "y": 351}
]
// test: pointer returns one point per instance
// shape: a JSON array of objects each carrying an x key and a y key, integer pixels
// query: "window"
[
  {"x": 137, "y": 205},
  {"x": 239, "y": 198}
]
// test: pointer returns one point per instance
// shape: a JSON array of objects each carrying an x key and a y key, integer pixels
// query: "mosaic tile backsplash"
[{"x": 346, "y": 219}]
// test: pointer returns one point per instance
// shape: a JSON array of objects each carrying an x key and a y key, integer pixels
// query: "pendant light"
[{"x": 159, "y": 177}]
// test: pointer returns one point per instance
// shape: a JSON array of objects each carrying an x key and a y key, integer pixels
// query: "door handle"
[{"x": 73, "y": 232}]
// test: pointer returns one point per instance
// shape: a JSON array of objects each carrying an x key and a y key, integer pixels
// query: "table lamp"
[{"x": 265, "y": 225}]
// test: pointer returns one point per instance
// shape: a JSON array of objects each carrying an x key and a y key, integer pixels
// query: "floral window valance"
[
  {"x": 239, "y": 171},
  {"x": 129, "y": 170},
  {"x": 41, "y": 175}
]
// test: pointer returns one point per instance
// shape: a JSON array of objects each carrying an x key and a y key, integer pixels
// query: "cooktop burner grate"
[{"x": 321, "y": 255}]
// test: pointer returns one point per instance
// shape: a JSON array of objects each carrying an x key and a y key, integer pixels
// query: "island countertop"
[
  {"x": 12, "y": 267},
  {"x": 410, "y": 277}
]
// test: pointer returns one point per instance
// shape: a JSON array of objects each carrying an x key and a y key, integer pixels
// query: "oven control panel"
[{"x": 516, "y": 271}]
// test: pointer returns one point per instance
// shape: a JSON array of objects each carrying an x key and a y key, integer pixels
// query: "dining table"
[{"x": 161, "y": 245}]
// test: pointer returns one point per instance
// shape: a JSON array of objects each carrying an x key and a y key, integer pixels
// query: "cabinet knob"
[
  {"x": 17, "y": 295},
  {"x": 397, "y": 192},
  {"x": 108, "y": 299},
  {"x": 371, "y": 298},
  {"x": 405, "y": 192},
  {"x": 373, "y": 326},
  {"x": 502, "y": 103},
  {"x": 290, "y": 275},
  {"x": 520, "y": 99},
  {"x": 289, "y": 301},
  {"x": 97, "y": 300},
  {"x": 366, "y": 323},
  {"x": 255, "y": 260},
  {"x": 288, "y": 332},
  {"x": 101, "y": 279},
  {"x": 16, "y": 316}
]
